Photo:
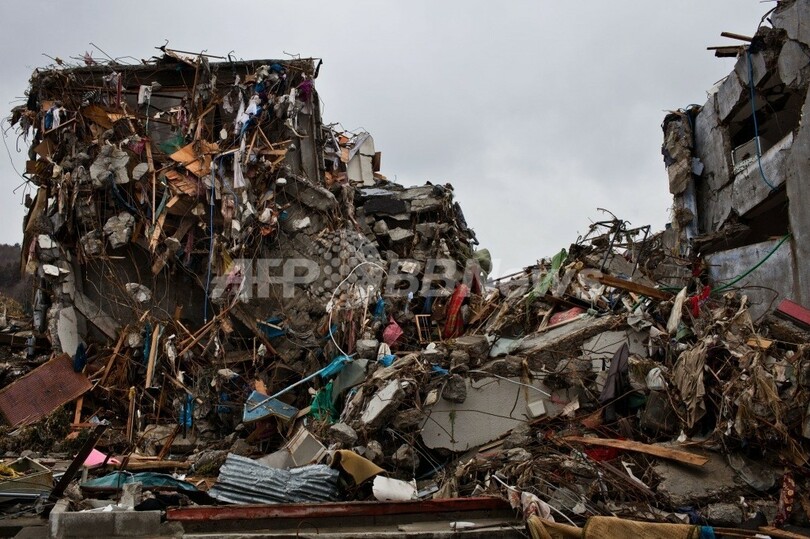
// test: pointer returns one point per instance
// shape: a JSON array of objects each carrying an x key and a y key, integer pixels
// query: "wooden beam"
[
  {"x": 655, "y": 450},
  {"x": 623, "y": 284},
  {"x": 150, "y": 366},
  {"x": 77, "y": 462},
  {"x": 77, "y": 415},
  {"x": 122, "y": 336},
  {"x": 741, "y": 37}
]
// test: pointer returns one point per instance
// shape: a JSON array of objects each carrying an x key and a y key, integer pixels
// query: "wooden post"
[
  {"x": 131, "y": 416},
  {"x": 114, "y": 355},
  {"x": 150, "y": 366},
  {"x": 77, "y": 415}
]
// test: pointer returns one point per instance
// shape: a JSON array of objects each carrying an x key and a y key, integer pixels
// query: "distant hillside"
[{"x": 11, "y": 282}]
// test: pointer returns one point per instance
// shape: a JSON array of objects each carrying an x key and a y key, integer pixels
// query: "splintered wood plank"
[{"x": 654, "y": 450}]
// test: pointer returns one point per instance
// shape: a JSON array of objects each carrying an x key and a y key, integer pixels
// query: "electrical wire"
[
  {"x": 754, "y": 115},
  {"x": 331, "y": 304}
]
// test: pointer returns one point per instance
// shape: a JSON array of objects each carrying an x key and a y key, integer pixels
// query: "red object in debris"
[
  {"x": 600, "y": 454},
  {"x": 794, "y": 312},
  {"x": 565, "y": 316},
  {"x": 696, "y": 301},
  {"x": 454, "y": 324},
  {"x": 392, "y": 332}
]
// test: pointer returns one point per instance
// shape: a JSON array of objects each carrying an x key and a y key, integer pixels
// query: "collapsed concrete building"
[
  {"x": 232, "y": 290},
  {"x": 158, "y": 184},
  {"x": 738, "y": 165}
]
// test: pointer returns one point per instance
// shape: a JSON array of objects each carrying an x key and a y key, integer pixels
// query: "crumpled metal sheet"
[{"x": 242, "y": 480}]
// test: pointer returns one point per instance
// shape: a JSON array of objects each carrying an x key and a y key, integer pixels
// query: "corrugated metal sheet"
[
  {"x": 242, "y": 480},
  {"x": 42, "y": 391}
]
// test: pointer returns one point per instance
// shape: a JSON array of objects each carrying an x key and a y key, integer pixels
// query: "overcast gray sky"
[{"x": 538, "y": 112}]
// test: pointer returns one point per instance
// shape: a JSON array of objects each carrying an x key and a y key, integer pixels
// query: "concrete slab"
[
  {"x": 750, "y": 190},
  {"x": 712, "y": 147},
  {"x": 68, "y": 330},
  {"x": 492, "y": 408},
  {"x": 758, "y": 66},
  {"x": 792, "y": 64},
  {"x": 693, "y": 485},
  {"x": 730, "y": 96},
  {"x": 795, "y": 20},
  {"x": 382, "y": 403}
]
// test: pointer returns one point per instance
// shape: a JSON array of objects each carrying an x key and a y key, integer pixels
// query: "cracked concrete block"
[
  {"x": 383, "y": 404},
  {"x": 750, "y": 189},
  {"x": 110, "y": 161},
  {"x": 492, "y": 408},
  {"x": 689, "y": 485},
  {"x": 420, "y": 205},
  {"x": 795, "y": 20},
  {"x": 713, "y": 148},
  {"x": 373, "y": 452},
  {"x": 476, "y": 346},
  {"x": 455, "y": 390},
  {"x": 724, "y": 514},
  {"x": 400, "y": 234},
  {"x": 139, "y": 292},
  {"x": 367, "y": 348},
  {"x": 714, "y": 211},
  {"x": 381, "y": 228},
  {"x": 91, "y": 243},
  {"x": 408, "y": 419},
  {"x": 47, "y": 248},
  {"x": 793, "y": 64},
  {"x": 343, "y": 434},
  {"x": 459, "y": 360},
  {"x": 759, "y": 68},
  {"x": 405, "y": 458},
  {"x": 118, "y": 229},
  {"x": 730, "y": 96},
  {"x": 313, "y": 196}
]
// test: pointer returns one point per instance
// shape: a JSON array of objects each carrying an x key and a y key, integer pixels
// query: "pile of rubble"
[{"x": 232, "y": 291}]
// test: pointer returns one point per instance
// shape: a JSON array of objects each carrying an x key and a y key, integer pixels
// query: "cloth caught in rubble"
[
  {"x": 359, "y": 468},
  {"x": 687, "y": 375},
  {"x": 305, "y": 90},
  {"x": 455, "y": 323},
  {"x": 617, "y": 384},
  {"x": 787, "y": 496},
  {"x": 322, "y": 407},
  {"x": 602, "y": 527}
]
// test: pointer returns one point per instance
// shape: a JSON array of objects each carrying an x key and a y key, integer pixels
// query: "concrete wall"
[{"x": 772, "y": 280}]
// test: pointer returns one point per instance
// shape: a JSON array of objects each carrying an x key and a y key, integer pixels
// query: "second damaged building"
[{"x": 239, "y": 292}]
